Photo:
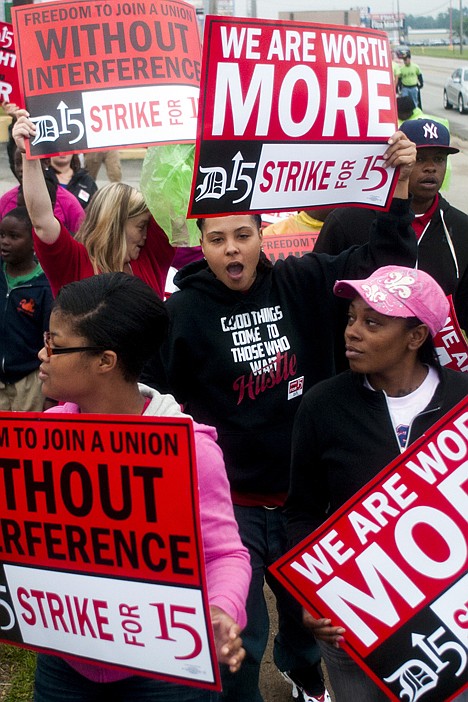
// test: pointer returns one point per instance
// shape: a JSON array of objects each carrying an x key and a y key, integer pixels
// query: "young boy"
[{"x": 27, "y": 300}]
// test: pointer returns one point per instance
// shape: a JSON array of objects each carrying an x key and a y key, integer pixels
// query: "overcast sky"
[{"x": 270, "y": 8}]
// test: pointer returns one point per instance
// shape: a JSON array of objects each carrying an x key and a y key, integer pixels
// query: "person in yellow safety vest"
[{"x": 410, "y": 79}]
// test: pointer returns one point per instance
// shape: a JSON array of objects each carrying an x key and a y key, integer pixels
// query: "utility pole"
[
  {"x": 461, "y": 27},
  {"x": 451, "y": 29},
  {"x": 252, "y": 8},
  {"x": 400, "y": 38}
]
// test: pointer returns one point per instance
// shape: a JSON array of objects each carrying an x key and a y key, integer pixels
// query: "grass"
[
  {"x": 441, "y": 52},
  {"x": 16, "y": 674}
]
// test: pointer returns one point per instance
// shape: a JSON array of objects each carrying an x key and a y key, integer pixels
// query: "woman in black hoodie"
[
  {"x": 350, "y": 427},
  {"x": 246, "y": 341}
]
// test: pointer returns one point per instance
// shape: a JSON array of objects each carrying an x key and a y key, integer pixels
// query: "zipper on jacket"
[{"x": 420, "y": 414}]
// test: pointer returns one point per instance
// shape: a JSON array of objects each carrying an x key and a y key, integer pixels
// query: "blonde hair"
[{"x": 103, "y": 229}]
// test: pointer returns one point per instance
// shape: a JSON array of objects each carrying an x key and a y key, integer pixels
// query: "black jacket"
[
  {"x": 24, "y": 318},
  {"x": 442, "y": 251},
  {"x": 221, "y": 343},
  {"x": 343, "y": 436},
  {"x": 81, "y": 185}
]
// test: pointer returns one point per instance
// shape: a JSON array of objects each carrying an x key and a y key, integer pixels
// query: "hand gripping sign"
[
  {"x": 100, "y": 548},
  {"x": 391, "y": 567},
  {"x": 292, "y": 115},
  {"x": 102, "y": 75}
]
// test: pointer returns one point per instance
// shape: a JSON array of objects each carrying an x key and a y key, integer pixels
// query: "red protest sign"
[
  {"x": 109, "y": 75},
  {"x": 100, "y": 548},
  {"x": 391, "y": 567},
  {"x": 279, "y": 101},
  {"x": 9, "y": 88},
  {"x": 280, "y": 246},
  {"x": 450, "y": 343}
]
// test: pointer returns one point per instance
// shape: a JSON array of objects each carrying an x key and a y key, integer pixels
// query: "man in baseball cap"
[
  {"x": 441, "y": 229},
  {"x": 435, "y": 218}
]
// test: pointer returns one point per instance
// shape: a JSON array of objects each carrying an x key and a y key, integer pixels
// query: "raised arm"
[{"x": 36, "y": 195}]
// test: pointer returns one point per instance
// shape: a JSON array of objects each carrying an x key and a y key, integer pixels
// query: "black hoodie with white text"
[{"x": 242, "y": 361}]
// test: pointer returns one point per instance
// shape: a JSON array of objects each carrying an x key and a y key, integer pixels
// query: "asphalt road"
[{"x": 435, "y": 72}]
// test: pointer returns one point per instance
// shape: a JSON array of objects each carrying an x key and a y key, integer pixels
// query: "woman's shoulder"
[{"x": 456, "y": 379}]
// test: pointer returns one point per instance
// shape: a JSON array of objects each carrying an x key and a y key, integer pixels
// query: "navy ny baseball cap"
[{"x": 428, "y": 133}]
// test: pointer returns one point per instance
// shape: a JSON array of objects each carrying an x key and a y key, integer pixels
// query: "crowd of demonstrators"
[
  {"x": 250, "y": 392},
  {"x": 66, "y": 171},
  {"x": 117, "y": 234},
  {"x": 440, "y": 228},
  {"x": 350, "y": 427},
  {"x": 93, "y": 161},
  {"x": 24, "y": 318},
  {"x": 246, "y": 340},
  {"x": 101, "y": 332},
  {"x": 66, "y": 207}
]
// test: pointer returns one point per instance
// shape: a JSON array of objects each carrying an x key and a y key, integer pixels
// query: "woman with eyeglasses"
[
  {"x": 117, "y": 234},
  {"x": 102, "y": 330}
]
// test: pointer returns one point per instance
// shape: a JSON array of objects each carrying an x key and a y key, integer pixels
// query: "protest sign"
[
  {"x": 100, "y": 546},
  {"x": 450, "y": 343},
  {"x": 390, "y": 566},
  {"x": 9, "y": 88},
  {"x": 279, "y": 246},
  {"x": 292, "y": 115},
  {"x": 101, "y": 75}
]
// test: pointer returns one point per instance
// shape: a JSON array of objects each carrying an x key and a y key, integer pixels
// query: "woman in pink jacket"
[
  {"x": 102, "y": 331},
  {"x": 66, "y": 207}
]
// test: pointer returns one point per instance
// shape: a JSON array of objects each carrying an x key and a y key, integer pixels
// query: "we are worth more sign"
[{"x": 390, "y": 566}]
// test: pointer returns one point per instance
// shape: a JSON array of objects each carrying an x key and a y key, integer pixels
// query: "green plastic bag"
[{"x": 166, "y": 180}]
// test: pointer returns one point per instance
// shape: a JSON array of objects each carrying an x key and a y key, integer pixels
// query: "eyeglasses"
[{"x": 51, "y": 351}]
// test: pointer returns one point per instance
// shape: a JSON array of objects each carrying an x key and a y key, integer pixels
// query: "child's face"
[{"x": 16, "y": 245}]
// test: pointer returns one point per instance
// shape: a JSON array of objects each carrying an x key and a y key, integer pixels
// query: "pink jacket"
[
  {"x": 227, "y": 560},
  {"x": 67, "y": 208}
]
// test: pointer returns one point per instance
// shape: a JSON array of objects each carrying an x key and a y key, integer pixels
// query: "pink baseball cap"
[{"x": 397, "y": 291}]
